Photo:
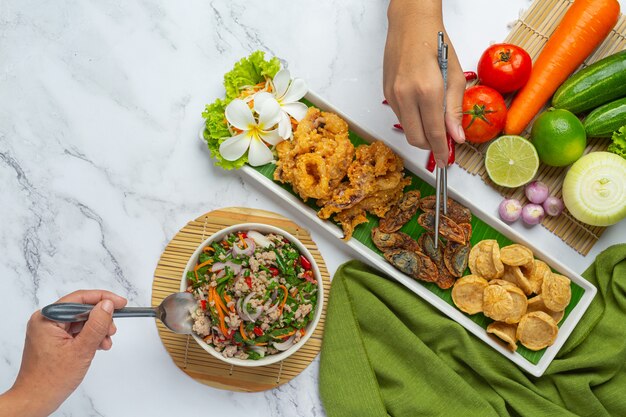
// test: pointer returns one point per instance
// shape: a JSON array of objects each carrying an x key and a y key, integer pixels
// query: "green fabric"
[{"x": 388, "y": 352}]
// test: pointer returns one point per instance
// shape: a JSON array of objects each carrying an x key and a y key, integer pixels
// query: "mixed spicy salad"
[{"x": 256, "y": 294}]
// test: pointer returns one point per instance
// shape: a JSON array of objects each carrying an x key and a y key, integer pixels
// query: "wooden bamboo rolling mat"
[
  {"x": 186, "y": 353},
  {"x": 531, "y": 32}
]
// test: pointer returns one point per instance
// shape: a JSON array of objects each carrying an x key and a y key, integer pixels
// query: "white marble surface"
[{"x": 100, "y": 164}]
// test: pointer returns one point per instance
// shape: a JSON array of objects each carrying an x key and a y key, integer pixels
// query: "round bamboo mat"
[{"x": 186, "y": 353}]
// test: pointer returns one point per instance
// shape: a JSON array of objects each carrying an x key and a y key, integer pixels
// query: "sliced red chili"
[
  {"x": 431, "y": 164},
  {"x": 249, "y": 282},
  {"x": 274, "y": 271},
  {"x": 257, "y": 331},
  {"x": 305, "y": 262},
  {"x": 470, "y": 75},
  {"x": 244, "y": 235},
  {"x": 398, "y": 126},
  {"x": 203, "y": 304}
]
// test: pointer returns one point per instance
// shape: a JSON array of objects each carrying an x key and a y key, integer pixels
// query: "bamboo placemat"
[
  {"x": 531, "y": 32},
  {"x": 186, "y": 353}
]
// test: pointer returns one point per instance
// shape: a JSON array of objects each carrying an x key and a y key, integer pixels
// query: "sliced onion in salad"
[
  {"x": 282, "y": 346},
  {"x": 259, "y": 239},
  {"x": 259, "y": 349},
  {"x": 248, "y": 250},
  {"x": 242, "y": 311},
  {"x": 251, "y": 316}
]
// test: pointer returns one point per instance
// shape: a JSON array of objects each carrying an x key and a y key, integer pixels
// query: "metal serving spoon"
[{"x": 174, "y": 312}]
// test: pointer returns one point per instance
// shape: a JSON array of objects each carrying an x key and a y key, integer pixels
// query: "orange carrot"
[
  {"x": 282, "y": 304},
  {"x": 208, "y": 249},
  {"x": 242, "y": 331},
  {"x": 218, "y": 301},
  {"x": 584, "y": 26},
  {"x": 203, "y": 264}
]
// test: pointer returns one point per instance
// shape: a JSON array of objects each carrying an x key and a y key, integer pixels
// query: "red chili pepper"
[
  {"x": 230, "y": 334},
  {"x": 305, "y": 263},
  {"x": 257, "y": 331},
  {"x": 249, "y": 282},
  {"x": 203, "y": 304},
  {"x": 385, "y": 101},
  {"x": 274, "y": 271},
  {"x": 308, "y": 275},
  {"x": 244, "y": 235},
  {"x": 398, "y": 126},
  {"x": 470, "y": 75},
  {"x": 431, "y": 164}
]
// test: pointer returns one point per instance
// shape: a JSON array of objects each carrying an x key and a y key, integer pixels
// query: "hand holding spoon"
[{"x": 174, "y": 312}]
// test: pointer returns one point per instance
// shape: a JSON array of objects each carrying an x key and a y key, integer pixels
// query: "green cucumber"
[
  {"x": 603, "y": 121},
  {"x": 599, "y": 83}
]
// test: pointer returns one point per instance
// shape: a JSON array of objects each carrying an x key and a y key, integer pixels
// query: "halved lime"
[{"x": 511, "y": 161}]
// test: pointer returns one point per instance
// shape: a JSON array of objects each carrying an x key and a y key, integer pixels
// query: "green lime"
[
  {"x": 559, "y": 137},
  {"x": 511, "y": 161}
]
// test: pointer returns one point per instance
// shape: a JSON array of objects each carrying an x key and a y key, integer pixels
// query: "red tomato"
[
  {"x": 504, "y": 67},
  {"x": 484, "y": 113}
]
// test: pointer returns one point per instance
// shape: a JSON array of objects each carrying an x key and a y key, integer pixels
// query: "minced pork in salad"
[{"x": 256, "y": 294}]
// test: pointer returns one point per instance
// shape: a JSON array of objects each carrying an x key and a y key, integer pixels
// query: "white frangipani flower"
[
  {"x": 287, "y": 92},
  {"x": 255, "y": 134}
]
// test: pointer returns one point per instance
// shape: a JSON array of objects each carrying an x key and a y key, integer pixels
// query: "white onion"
[
  {"x": 251, "y": 316},
  {"x": 259, "y": 239},
  {"x": 242, "y": 311},
  {"x": 234, "y": 267},
  {"x": 282, "y": 346},
  {"x": 594, "y": 189},
  {"x": 221, "y": 274},
  {"x": 259, "y": 349},
  {"x": 218, "y": 266},
  {"x": 247, "y": 251}
]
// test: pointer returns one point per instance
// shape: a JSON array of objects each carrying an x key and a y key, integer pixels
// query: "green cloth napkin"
[{"x": 388, "y": 352}]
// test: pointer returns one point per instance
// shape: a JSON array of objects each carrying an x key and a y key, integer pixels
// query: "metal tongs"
[{"x": 441, "y": 174}]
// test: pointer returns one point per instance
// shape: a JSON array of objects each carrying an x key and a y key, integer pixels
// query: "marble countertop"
[{"x": 100, "y": 164}]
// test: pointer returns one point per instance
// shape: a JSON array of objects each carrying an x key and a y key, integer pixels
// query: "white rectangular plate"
[{"x": 377, "y": 261}]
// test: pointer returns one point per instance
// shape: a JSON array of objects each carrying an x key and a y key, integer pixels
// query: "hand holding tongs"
[{"x": 441, "y": 174}]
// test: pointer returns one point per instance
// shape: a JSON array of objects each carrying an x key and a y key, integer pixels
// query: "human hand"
[
  {"x": 412, "y": 80},
  {"x": 57, "y": 355}
]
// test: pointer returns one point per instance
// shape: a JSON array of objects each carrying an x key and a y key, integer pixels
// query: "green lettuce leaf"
[
  {"x": 248, "y": 72},
  {"x": 618, "y": 146}
]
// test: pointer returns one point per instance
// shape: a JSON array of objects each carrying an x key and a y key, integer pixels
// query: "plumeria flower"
[
  {"x": 254, "y": 134},
  {"x": 287, "y": 92}
]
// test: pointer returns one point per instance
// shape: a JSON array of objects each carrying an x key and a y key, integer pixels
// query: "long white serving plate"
[{"x": 380, "y": 263}]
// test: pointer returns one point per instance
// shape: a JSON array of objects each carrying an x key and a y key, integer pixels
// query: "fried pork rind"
[
  {"x": 317, "y": 158},
  {"x": 375, "y": 183},
  {"x": 536, "y": 304},
  {"x": 536, "y": 276},
  {"x": 484, "y": 259},
  {"x": 516, "y": 255},
  {"x": 556, "y": 291},
  {"x": 401, "y": 212},
  {"x": 536, "y": 330},
  {"x": 506, "y": 332},
  {"x": 467, "y": 293},
  {"x": 514, "y": 274},
  {"x": 504, "y": 302}
]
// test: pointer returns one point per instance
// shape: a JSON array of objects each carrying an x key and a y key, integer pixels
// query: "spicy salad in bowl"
[{"x": 259, "y": 293}]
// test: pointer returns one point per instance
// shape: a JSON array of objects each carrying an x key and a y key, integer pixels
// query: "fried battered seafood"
[
  {"x": 375, "y": 183},
  {"x": 401, "y": 212},
  {"x": 317, "y": 158}
]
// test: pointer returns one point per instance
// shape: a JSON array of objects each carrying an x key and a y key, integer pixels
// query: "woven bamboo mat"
[
  {"x": 531, "y": 32},
  {"x": 186, "y": 353}
]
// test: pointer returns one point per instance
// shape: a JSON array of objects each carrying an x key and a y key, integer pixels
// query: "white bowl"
[{"x": 262, "y": 228}]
